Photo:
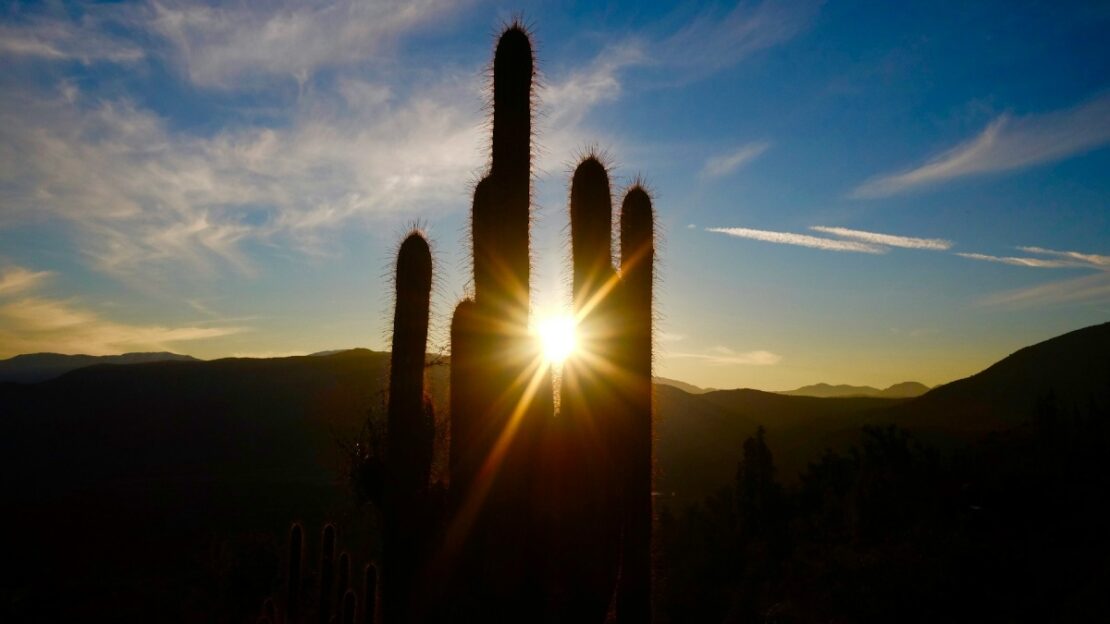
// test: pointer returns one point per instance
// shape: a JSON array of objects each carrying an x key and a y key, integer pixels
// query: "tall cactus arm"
[
  {"x": 637, "y": 258},
  {"x": 411, "y": 436}
]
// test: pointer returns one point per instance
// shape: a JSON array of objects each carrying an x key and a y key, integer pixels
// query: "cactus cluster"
[
  {"x": 329, "y": 595},
  {"x": 548, "y": 512}
]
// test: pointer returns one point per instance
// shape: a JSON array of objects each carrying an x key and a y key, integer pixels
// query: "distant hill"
[
  {"x": 328, "y": 352},
  {"x": 699, "y": 436},
  {"x": 904, "y": 390},
  {"x": 35, "y": 367},
  {"x": 1071, "y": 371},
  {"x": 681, "y": 385}
]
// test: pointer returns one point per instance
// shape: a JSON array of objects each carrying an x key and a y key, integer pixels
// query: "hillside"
[
  {"x": 699, "y": 437},
  {"x": 1071, "y": 371},
  {"x": 681, "y": 385}
]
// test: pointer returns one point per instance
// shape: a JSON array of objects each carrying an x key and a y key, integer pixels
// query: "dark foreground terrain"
[{"x": 163, "y": 491}]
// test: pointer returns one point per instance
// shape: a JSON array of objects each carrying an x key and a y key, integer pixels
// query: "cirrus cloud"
[
  {"x": 220, "y": 45},
  {"x": 1006, "y": 144},
  {"x": 1038, "y": 263},
  {"x": 724, "y": 356},
  {"x": 16, "y": 279},
  {"x": 725, "y": 164},
  {"x": 890, "y": 240},
  {"x": 1094, "y": 260},
  {"x": 84, "y": 40},
  {"x": 801, "y": 240}
]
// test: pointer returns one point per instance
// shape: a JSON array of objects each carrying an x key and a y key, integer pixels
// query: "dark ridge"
[{"x": 36, "y": 367}]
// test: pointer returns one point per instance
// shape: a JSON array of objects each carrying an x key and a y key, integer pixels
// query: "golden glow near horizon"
[{"x": 558, "y": 338}]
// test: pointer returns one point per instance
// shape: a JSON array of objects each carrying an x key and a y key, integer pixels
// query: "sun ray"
[{"x": 463, "y": 521}]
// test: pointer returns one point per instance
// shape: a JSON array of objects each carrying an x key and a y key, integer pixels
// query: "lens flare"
[{"x": 557, "y": 338}]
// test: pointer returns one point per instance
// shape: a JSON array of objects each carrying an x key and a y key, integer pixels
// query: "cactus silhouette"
[
  {"x": 294, "y": 575},
  {"x": 327, "y": 572},
  {"x": 336, "y": 593},
  {"x": 548, "y": 514},
  {"x": 349, "y": 603},
  {"x": 411, "y": 436},
  {"x": 369, "y": 594},
  {"x": 343, "y": 578},
  {"x": 637, "y": 224}
]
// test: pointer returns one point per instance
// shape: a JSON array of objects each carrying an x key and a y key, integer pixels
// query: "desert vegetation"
[{"x": 545, "y": 511}]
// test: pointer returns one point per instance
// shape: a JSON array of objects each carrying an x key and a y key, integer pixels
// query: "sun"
[{"x": 557, "y": 338}]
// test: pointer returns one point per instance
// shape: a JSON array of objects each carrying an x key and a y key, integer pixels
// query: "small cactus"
[
  {"x": 294, "y": 575},
  {"x": 342, "y": 578},
  {"x": 327, "y": 572},
  {"x": 369, "y": 594},
  {"x": 349, "y": 605}
]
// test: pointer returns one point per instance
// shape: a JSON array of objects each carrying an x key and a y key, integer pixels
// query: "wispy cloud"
[
  {"x": 706, "y": 43},
  {"x": 1007, "y": 143},
  {"x": 725, "y": 164},
  {"x": 801, "y": 240},
  {"x": 890, "y": 240},
  {"x": 220, "y": 45},
  {"x": 724, "y": 356},
  {"x": 140, "y": 192},
  {"x": 714, "y": 39},
  {"x": 567, "y": 99},
  {"x": 60, "y": 39},
  {"x": 1094, "y": 260},
  {"x": 230, "y": 45},
  {"x": 35, "y": 324},
  {"x": 16, "y": 279},
  {"x": 1089, "y": 288},
  {"x": 1038, "y": 263}
]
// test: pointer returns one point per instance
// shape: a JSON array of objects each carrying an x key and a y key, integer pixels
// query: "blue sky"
[{"x": 846, "y": 192}]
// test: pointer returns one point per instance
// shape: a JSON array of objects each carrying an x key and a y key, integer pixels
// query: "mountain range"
[
  {"x": 904, "y": 390},
  {"x": 282, "y": 416},
  {"x": 126, "y": 470},
  {"x": 36, "y": 367}
]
